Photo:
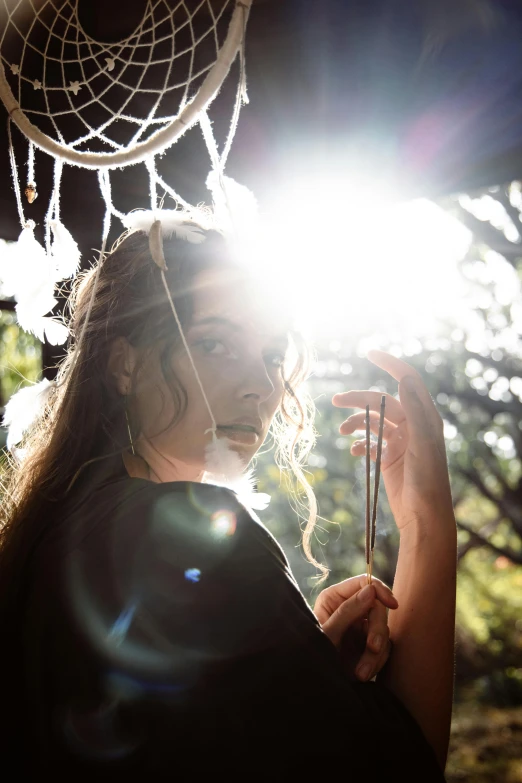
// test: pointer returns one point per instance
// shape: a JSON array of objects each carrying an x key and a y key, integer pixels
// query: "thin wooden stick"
[
  {"x": 376, "y": 483},
  {"x": 368, "y": 494}
]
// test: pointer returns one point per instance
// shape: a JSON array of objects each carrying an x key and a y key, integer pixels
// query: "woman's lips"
[{"x": 239, "y": 433}]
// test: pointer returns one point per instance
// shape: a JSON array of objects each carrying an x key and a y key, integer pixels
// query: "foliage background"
[{"x": 475, "y": 378}]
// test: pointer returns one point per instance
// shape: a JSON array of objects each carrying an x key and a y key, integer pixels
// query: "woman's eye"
[
  {"x": 214, "y": 347},
  {"x": 275, "y": 359}
]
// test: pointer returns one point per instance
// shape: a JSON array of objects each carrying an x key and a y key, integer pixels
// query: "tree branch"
[{"x": 515, "y": 557}]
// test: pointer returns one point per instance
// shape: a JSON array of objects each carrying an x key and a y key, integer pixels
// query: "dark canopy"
[{"x": 429, "y": 92}]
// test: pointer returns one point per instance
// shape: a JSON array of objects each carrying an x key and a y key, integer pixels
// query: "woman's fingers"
[
  {"x": 401, "y": 371},
  {"x": 348, "y": 613},
  {"x": 358, "y": 422},
  {"x": 377, "y": 644},
  {"x": 332, "y": 597},
  {"x": 424, "y": 423},
  {"x": 415, "y": 406},
  {"x": 360, "y": 399},
  {"x": 377, "y": 631}
]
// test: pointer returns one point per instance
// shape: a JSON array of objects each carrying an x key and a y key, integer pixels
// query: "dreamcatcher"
[{"x": 127, "y": 103}]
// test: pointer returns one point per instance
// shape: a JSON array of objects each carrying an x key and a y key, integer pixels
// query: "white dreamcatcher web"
[
  {"x": 126, "y": 102},
  {"x": 143, "y": 83}
]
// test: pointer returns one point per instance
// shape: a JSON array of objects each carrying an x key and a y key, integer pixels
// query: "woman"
[{"x": 152, "y": 624}]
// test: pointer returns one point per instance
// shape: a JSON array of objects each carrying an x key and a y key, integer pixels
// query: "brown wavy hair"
[{"x": 84, "y": 418}]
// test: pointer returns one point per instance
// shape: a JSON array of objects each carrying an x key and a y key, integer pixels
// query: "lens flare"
[{"x": 223, "y": 523}]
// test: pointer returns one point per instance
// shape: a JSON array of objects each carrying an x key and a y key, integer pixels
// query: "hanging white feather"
[
  {"x": 246, "y": 492},
  {"x": 28, "y": 269},
  {"x": 31, "y": 309},
  {"x": 9, "y": 271},
  {"x": 18, "y": 454},
  {"x": 173, "y": 221},
  {"x": 24, "y": 408},
  {"x": 225, "y": 468},
  {"x": 156, "y": 245},
  {"x": 56, "y": 332},
  {"x": 222, "y": 463},
  {"x": 30, "y": 275},
  {"x": 235, "y": 206},
  {"x": 64, "y": 252}
]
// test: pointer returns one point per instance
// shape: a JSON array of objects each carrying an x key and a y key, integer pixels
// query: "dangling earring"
[{"x": 128, "y": 427}]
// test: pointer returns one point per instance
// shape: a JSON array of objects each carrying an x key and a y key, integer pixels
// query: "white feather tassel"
[
  {"x": 64, "y": 251},
  {"x": 56, "y": 332},
  {"x": 225, "y": 468},
  {"x": 30, "y": 267},
  {"x": 247, "y": 494},
  {"x": 222, "y": 463},
  {"x": 235, "y": 206},
  {"x": 9, "y": 269},
  {"x": 24, "y": 408},
  {"x": 173, "y": 221},
  {"x": 27, "y": 272}
]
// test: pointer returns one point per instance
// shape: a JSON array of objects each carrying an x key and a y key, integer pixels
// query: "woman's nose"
[{"x": 257, "y": 382}]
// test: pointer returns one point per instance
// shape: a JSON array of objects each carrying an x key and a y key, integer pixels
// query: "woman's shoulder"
[
  {"x": 187, "y": 559},
  {"x": 190, "y": 528},
  {"x": 206, "y": 516}
]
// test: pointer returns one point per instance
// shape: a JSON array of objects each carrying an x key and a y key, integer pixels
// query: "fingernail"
[
  {"x": 363, "y": 672},
  {"x": 377, "y": 642},
  {"x": 409, "y": 383},
  {"x": 366, "y": 594}
]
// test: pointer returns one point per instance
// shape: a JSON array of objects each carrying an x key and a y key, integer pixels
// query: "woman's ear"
[{"x": 121, "y": 364}]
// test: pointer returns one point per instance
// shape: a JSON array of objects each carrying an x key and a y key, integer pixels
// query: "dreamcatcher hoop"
[
  {"x": 161, "y": 139},
  {"x": 33, "y": 270},
  {"x": 46, "y": 51}
]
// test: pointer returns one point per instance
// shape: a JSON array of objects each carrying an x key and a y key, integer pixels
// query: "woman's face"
[{"x": 238, "y": 346}]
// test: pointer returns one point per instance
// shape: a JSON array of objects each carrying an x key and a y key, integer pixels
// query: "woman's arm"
[
  {"x": 415, "y": 473},
  {"x": 422, "y": 629}
]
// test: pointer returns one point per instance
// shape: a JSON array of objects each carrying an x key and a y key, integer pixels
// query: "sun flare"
[{"x": 365, "y": 262}]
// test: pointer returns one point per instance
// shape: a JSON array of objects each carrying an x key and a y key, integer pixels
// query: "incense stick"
[
  {"x": 371, "y": 520},
  {"x": 368, "y": 494}
]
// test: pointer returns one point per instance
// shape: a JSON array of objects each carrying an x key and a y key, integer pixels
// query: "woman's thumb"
[{"x": 351, "y": 610}]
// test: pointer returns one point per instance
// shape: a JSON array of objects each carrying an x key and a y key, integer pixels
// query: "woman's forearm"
[{"x": 421, "y": 666}]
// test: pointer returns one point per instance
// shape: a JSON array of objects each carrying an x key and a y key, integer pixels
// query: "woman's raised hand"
[
  {"x": 353, "y": 615},
  {"x": 414, "y": 466}
]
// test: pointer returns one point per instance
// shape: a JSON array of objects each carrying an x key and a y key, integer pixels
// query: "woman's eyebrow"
[{"x": 217, "y": 321}]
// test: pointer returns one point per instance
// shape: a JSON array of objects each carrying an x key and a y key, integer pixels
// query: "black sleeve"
[{"x": 194, "y": 650}]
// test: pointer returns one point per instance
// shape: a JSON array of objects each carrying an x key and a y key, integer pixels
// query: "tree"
[{"x": 474, "y": 373}]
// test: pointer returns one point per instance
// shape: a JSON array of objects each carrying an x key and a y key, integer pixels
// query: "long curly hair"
[{"x": 84, "y": 419}]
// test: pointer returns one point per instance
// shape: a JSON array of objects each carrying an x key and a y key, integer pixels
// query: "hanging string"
[
  {"x": 241, "y": 93},
  {"x": 106, "y": 190},
  {"x": 151, "y": 168},
  {"x": 14, "y": 174},
  {"x": 170, "y": 190},
  {"x": 104, "y": 185},
  {"x": 30, "y": 164},
  {"x": 189, "y": 354},
  {"x": 208, "y": 136},
  {"x": 217, "y": 163},
  {"x": 53, "y": 211}
]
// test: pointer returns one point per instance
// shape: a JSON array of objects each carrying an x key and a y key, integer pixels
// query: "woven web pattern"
[{"x": 102, "y": 97}]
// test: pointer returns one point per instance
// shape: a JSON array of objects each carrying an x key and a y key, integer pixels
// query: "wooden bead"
[{"x": 30, "y": 192}]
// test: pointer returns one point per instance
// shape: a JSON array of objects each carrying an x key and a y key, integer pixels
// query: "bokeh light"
[{"x": 223, "y": 523}]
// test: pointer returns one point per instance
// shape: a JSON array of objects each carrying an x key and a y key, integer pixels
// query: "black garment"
[{"x": 164, "y": 635}]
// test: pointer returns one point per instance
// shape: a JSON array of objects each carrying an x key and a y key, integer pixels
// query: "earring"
[{"x": 128, "y": 427}]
